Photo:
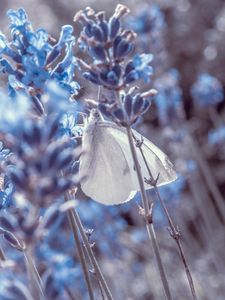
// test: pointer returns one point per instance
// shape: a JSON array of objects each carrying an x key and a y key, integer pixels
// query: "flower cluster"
[
  {"x": 128, "y": 109},
  {"x": 33, "y": 57},
  {"x": 207, "y": 90},
  {"x": 169, "y": 100},
  {"x": 109, "y": 45},
  {"x": 149, "y": 24},
  {"x": 40, "y": 157},
  {"x": 217, "y": 136}
]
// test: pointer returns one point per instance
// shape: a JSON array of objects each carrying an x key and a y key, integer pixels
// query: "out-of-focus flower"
[
  {"x": 217, "y": 136},
  {"x": 6, "y": 192},
  {"x": 40, "y": 157},
  {"x": 13, "y": 112},
  {"x": 61, "y": 273},
  {"x": 207, "y": 90},
  {"x": 150, "y": 26},
  {"x": 169, "y": 98}
]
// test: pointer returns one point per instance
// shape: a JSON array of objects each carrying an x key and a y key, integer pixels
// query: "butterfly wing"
[
  {"x": 104, "y": 164},
  {"x": 158, "y": 162}
]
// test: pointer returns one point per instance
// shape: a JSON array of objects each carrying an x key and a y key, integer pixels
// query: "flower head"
[
  {"x": 207, "y": 90},
  {"x": 169, "y": 100},
  {"x": 109, "y": 45},
  {"x": 33, "y": 58}
]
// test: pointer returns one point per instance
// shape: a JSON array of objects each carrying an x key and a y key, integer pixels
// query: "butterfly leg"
[{"x": 151, "y": 181}]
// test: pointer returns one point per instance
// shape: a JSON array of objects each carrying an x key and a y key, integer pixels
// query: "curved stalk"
[
  {"x": 35, "y": 279},
  {"x": 81, "y": 255},
  {"x": 174, "y": 232},
  {"x": 77, "y": 223},
  {"x": 148, "y": 216}
]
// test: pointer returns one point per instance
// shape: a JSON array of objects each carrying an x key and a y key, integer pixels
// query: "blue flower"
[
  {"x": 65, "y": 38},
  {"x": 149, "y": 20},
  {"x": 169, "y": 100},
  {"x": 18, "y": 19},
  {"x": 207, "y": 90},
  {"x": 38, "y": 45},
  {"x": 64, "y": 71},
  {"x": 217, "y": 136},
  {"x": 9, "y": 120},
  {"x": 108, "y": 45},
  {"x": 6, "y": 194},
  {"x": 35, "y": 74},
  {"x": 139, "y": 68},
  {"x": 31, "y": 58},
  {"x": 56, "y": 99},
  {"x": 41, "y": 155}
]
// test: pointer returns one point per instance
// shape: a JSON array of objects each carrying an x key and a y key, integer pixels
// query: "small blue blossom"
[
  {"x": 33, "y": 59},
  {"x": 207, "y": 90},
  {"x": 6, "y": 193},
  {"x": 139, "y": 68},
  {"x": 169, "y": 100},
  {"x": 148, "y": 20},
  {"x": 149, "y": 24},
  {"x": 9, "y": 121},
  {"x": 217, "y": 136},
  {"x": 109, "y": 45}
]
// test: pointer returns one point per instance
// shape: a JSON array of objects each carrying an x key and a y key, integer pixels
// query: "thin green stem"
[
  {"x": 35, "y": 279},
  {"x": 2, "y": 254},
  {"x": 101, "y": 290},
  {"x": 174, "y": 232},
  {"x": 206, "y": 172},
  {"x": 77, "y": 222},
  {"x": 148, "y": 216},
  {"x": 81, "y": 254},
  {"x": 177, "y": 238}
]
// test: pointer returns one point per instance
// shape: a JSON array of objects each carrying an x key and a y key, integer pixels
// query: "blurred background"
[{"x": 186, "y": 120}]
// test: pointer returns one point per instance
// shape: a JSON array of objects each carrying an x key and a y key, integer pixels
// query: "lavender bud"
[
  {"x": 122, "y": 49},
  {"x": 114, "y": 26},
  {"x": 12, "y": 240},
  {"x": 97, "y": 33},
  {"x": 64, "y": 159},
  {"x": 138, "y": 103},
  {"x": 98, "y": 52},
  {"x": 52, "y": 157},
  {"x": 6, "y": 224},
  {"x": 18, "y": 179},
  {"x": 119, "y": 114},
  {"x": 103, "y": 109},
  {"x": 54, "y": 127},
  {"x": 91, "y": 76},
  {"x": 131, "y": 76},
  {"x": 51, "y": 216},
  {"x": 128, "y": 102},
  {"x": 105, "y": 30}
]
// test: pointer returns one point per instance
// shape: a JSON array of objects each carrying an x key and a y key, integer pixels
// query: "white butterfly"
[{"x": 107, "y": 165}]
